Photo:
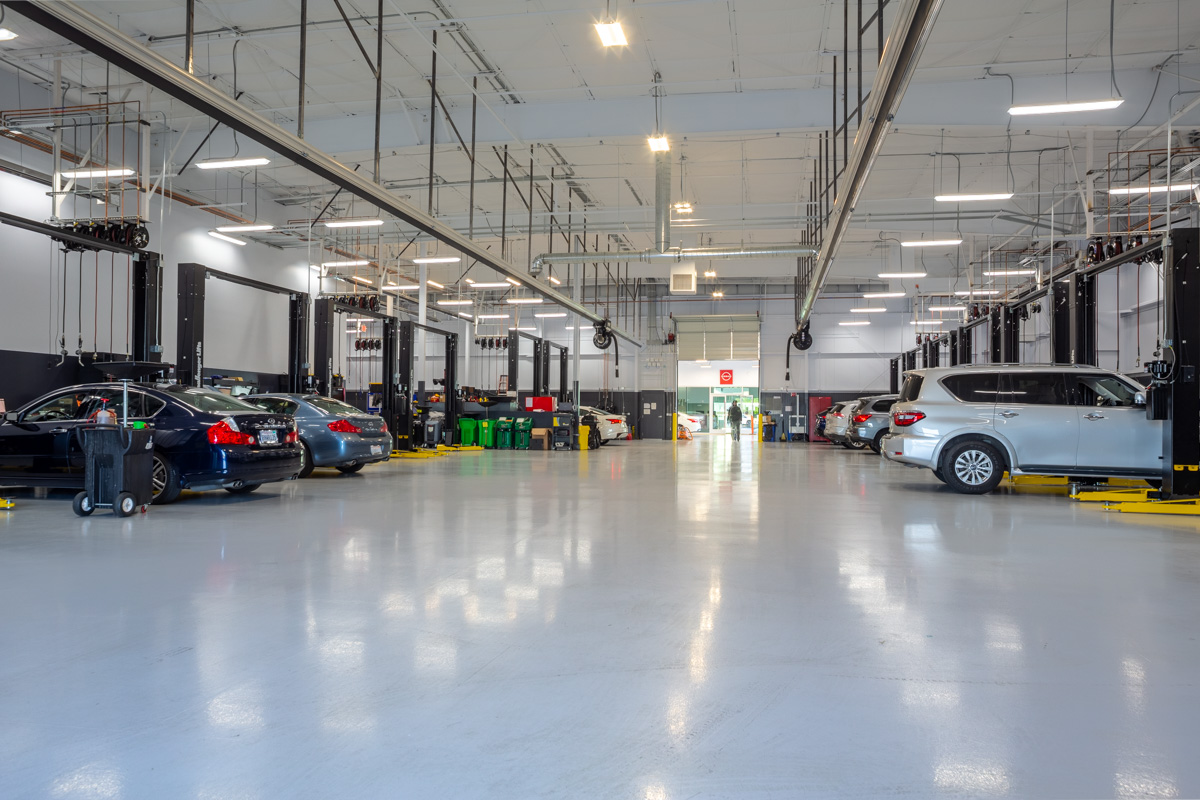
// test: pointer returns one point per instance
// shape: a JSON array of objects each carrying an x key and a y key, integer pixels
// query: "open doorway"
[{"x": 707, "y": 390}]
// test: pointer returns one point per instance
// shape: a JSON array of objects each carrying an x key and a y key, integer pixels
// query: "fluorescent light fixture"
[
  {"x": 359, "y": 319},
  {"x": 939, "y": 309},
  {"x": 611, "y": 34},
  {"x": 468, "y": 280},
  {"x": 116, "y": 172},
  {"x": 359, "y": 263},
  {"x": 357, "y": 279},
  {"x": 705, "y": 366},
  {"x": 456, "y": 302},
  {"x": 927, "y": 323},
  {"x": 244, "y": 228},
  {"x": 225, "y": 238},
  {"x": 315, "y": 268},
  {"x": 1009, "y": 273},
  {"x": 233, "y": 163},
  {"x": 437, "y": 260},
  {"x": 435, "y": 284},
  {"x": 466, "y": 316},
  {"x": 1175, "y": 187},
  {"x": 710, "y": 273},
  {"x": 1064, "y": 108},
  {"x": 513, "y": 281},
  {"x": 683, "y": 208},
  {"x": 492, "y": 316},
  {"x": 500, "y": 285},
  {"x": 902, "y": 274},
  {"x": 522, "y": 329},
  {"x": 868, "y": 310},
  {"x": 352, "y": 223},
  {"x": 881, "y": 295},
  {"x": 553, "y": 315},
  {"x": 518, "y": 301},
  {"x": 855, "y": 322},
  {"x": 391, "y": 287},
  {"x": 718, "y": 294},
  {"x": 972, "y": 198},
  {"x": 6, "y": 35},
  {"x": 979, "y": 292},
  {"x": 932, "y": 243},
  {"x": 555, "y": 281},
  {"x": 658, "y": 144}
]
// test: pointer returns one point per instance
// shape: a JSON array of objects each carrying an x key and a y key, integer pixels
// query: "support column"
[
  {"x": 147, "y": 308},
  {"x": 422, "y": 317},
  {"x": 189, "y": 338},
  {"x": 1181, "y": 428},
  {"x": 324, "y": 330},
  {"x": 298, "y": 363}
]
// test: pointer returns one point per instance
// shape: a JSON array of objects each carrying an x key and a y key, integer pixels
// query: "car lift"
[
  {"x": 409, "y": 392},
  {"x": 541, "y": 377},
  {"x": 190, "y": 339},
  {"x": 325, "y": 328}
]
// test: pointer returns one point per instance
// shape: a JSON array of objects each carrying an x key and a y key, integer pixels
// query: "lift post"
[
  {"x": 894, "y": 376},
  {"x": 1181, "y": 322},
  {"x": 190, "y": 324},
  {"x": 1005, "y": 335},
  {"x": 409, "y": 388},
  {"x": 542, "y": 383},
  {"x": 325, "y": 328}
]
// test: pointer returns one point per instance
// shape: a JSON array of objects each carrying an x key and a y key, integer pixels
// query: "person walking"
[{"x": 735, "y": 421}]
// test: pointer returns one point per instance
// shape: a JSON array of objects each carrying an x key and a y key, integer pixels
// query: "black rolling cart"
[{"x": 118, "y": 462}]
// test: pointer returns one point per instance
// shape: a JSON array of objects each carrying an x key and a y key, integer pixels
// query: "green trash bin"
[
  {"x": 504, "y": 433},
  {"x": 487, "y": 433},
  {"x": 523, "y": 430},
  {"x": 467, "y": 429}
]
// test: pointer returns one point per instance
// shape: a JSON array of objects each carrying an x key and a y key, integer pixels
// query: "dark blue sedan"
[{"x": 203, "y": 439}]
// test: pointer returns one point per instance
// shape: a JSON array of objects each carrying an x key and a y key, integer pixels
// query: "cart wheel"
[
  {"x": 82, "y": 505},
  {"x": 125, "y": 505}
]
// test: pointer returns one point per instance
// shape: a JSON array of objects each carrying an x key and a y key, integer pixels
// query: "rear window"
[
  {"x": 911, "y": 389},
  {"x": 276, "y": 405},
  {"x": 331, "y": 406},
  {"x": 209, "y": 401},
  {"x": 972, "y": 387},
  {"x": 883, "y": 405}
]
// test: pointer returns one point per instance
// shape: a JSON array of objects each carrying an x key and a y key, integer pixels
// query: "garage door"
[{"x": 728, "y": 337}]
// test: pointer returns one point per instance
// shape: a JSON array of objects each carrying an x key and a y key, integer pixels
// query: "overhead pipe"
[
  {"x": 901, "y": 52},
  {"x": 89, "y": 31},
  {"x": 677, "y": 254}
]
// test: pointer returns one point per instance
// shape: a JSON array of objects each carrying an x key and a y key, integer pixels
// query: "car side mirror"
[
  {"x": 11, "y": 416},
  {"x": 1139, "y": 399}
]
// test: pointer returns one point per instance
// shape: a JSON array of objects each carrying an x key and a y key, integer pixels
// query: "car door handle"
[
  {"x": 60, "y": 430},
  {"x": 1093, "y": 415},
  {"x": 1009, "y": 414}
]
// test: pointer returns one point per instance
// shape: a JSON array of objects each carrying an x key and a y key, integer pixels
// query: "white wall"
[{"x": 696, "y": 373}]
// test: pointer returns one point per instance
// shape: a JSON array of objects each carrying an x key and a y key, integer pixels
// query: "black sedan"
[{"x": 202, "y": 439}]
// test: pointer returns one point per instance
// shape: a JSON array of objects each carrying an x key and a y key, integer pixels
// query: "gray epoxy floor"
[{"x": 640, "y": 622}]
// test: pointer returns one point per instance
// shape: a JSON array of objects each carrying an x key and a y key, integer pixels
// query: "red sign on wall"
[{"x": 727, "y": 377}]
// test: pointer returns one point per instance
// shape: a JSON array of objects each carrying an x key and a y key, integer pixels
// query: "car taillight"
[
  {"x": 614, "y": 421},
  {"x": 861, "y": 418},
  {"x": 225, "y": 433},
  {"x": 905, "y": 418},
  {"x": 344, "y": 426},
  {"x": 383, "y": 427},
  {"x": 291, "y": 438}
]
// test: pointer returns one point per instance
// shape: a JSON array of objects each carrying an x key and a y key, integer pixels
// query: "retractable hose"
[
  {"x": 604, "y": 337},
  {"x": 801, "y": 340}
]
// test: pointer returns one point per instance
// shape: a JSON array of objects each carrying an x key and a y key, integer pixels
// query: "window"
[
  {"x": 972, "y": 387},
  {"x": 883, "y": 405},
  {"x": 58, "y": 408},
  {"x": 141, "y": 406},
  {"x": 275, "y": 405},
  {"x": 911, "y": 389},
  {"x": 1033, "y": 389},
  {"x": 331, "y": 406},
  {"x": 209, "y": 401},
  {"x": 1102, "y": 390}
]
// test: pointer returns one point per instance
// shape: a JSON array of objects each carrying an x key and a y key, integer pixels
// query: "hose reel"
[
  {"x": 603, "y": 338},
  {"x": 801, "y": 340}
]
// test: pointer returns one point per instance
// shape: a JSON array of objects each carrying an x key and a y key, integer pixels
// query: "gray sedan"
[
  {"x": 333, "y": 433},
  {"x": 871, "y": 420}
]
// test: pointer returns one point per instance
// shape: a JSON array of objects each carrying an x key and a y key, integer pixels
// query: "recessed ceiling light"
[
  {"x": 932, "y": 243},
  {"x": 406, "y": 288},
  {"x": 352, "y": 223},
  {"x": 940, "y": 309},
  {"x": 1063, "y": 108},
  {"x": 225, "y": 238},
  {"x": 972, "y": 198},
  {"x": 232, "y": 163},
  {"x": 902, "y": 274},
  {"x": 244, "y": 228}
]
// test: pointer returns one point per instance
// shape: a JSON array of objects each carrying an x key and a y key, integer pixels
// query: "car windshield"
[
  {"x": 209, "y": 401},
  {"x": 331, "y": 406}
]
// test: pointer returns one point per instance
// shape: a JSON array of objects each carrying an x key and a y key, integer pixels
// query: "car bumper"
[
  {"x": 864, "y": 434},
  {"x": 231, "y": 468},
  {"x": 615, "y": 432},
  {"x": 916, "y": 451},
  {"x": 346, "y": 449},
  {"x": 837, "y": 437}
]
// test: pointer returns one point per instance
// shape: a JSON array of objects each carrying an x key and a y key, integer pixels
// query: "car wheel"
[
  {"x": 854, "y": 444},
  {"x": 349, "y": 469},
  {"x": 82, "y": 505},
  {"x": 165, "y": 486},
  {"x": 877, "y": 444},
  {"x": 972, "y": 467},
  {"x": 306, "y": 461},
  {"x": 245, "y": 488},
  {"x": 937, "y": 473}
]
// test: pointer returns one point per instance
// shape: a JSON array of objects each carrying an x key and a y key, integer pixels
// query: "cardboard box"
[{"x": 543, "y": 439}]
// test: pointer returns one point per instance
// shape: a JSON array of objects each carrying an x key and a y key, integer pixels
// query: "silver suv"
[
  {"x": 971, "y": 424},
  {"x": 871, "y": 419}
]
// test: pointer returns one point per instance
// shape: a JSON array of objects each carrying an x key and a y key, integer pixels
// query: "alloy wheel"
[
  {"x": 158, "y": 477},
  {"x": 973, "y": 467}
]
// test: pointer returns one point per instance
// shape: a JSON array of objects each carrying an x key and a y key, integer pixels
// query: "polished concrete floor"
[{"x": 647, "y": 621}]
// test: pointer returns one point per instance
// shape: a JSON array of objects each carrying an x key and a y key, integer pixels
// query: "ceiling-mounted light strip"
[
  {"x": 932, "y": 243},
  {"x": 437, "y": 260},
  {"x": 978, "y": 292},
  {"x": 1009, "y": 273},
  {"x": 553, "y": 315},
  {"x": 868, "y": 310},
  {"x": 232, "y": 163},
  {"x": 352, "y": 223},
  {"x": 435, "y": 284},
  {"x": 927, "y": 323},
  {"x": 855, "y": 323},
  {"x": 456, "y": 302},
  {"x": 517, "y": 301},
  {"x": 244, "y": 228},
  {"x": 492, "y": 316},
  {"x": 513, "y": 281},
  {"x": 658, "y": 144},
  {"x": 115, "y": 172},
  {"x": 555, "y": 281},
  {"x": 225, "y": 238},
  {"x": 940, "y": 309},
  {"x": 358, "y": 263},
  {"x": 357, "y": 279},
  {"x": 391, "y": 287},
  {"x": 1066, "y": 108},
  {"x": 522, "y": 329},
  {"x": 466, "y": 316},
  {"x": 902, "y": 274},
  {"x": 500, "y": 285},
  {"x": 972, "y": 198},
  {"x": 1175, "y": 187},
  {"x": 611, "y": 34},
  {"x": 882, "y": 295}
]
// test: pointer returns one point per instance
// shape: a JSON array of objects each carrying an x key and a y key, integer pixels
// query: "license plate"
[
  {"x": 862, "y": 431},
  {"x": 268, "y": 437},
  {"x": 376, "y": 449}
]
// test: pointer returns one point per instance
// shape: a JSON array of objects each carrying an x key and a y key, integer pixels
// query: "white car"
[
  {"x": 693, "y": 422},
  {"x": 611, "y": 426}
]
